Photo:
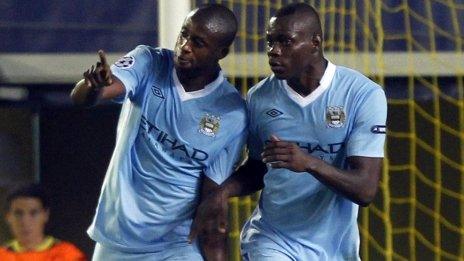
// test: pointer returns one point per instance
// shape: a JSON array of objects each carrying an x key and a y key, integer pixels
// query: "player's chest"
[
  {"x": 328, "y": 122},
  {"x": 169, "y": 121}
]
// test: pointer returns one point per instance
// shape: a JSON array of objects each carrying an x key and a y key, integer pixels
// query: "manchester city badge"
[
  {"x": 209, "y": 125},
  {"x": 335, "y": 116}
]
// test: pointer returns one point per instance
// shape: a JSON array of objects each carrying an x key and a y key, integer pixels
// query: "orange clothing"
[{"x": 51, "y": 250}]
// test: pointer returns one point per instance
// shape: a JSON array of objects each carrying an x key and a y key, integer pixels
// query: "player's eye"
[
  {"x": 35, "y": 212},
  {"x": 183, "y": 34},
  {"x": 198, "y": 42},
  {"x": 287, "y": 42},
  {"x": 269, "y": 43},
  {"x": 18, "y": 214}
]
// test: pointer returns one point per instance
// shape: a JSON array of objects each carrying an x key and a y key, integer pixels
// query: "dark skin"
[
  {"x": 98, "y": 84},
  {"x": 197, "y": 53},
  {"x": 211, "y": 215},
  {"x": 295, "y": 54},
  {"x": 212, "y": 241},
  {"x": 359, "y": 184}
]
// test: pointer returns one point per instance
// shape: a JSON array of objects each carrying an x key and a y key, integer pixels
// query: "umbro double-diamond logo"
[
  {"x": 274, "y": 113},
  {"x": 157, "y": 92}
]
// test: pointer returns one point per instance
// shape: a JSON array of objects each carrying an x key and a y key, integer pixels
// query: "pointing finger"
[{"x": 102, "y": 55}]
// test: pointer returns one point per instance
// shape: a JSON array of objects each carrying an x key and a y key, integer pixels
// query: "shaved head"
[
  {"x": 294, "y": 44},
  {"x": 306, "y": 13},
  {"x": 217, "y": 19}
]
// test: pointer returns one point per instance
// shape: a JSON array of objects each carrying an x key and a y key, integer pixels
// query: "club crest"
[
  {"x": 209, "y": 125},
  {"x": 335, "y": 116}
]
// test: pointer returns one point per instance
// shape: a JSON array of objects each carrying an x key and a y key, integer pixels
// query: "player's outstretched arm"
[
  {"x": 359, "y": 183},
  {"x": 98, "y": 84}
]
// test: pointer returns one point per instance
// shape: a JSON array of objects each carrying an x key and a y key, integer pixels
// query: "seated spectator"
[{"x": 27, "y": 214}]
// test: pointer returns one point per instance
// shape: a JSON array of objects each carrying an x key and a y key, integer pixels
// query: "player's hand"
[
  {"x": 283, "y": 154},
  {"x": 99, "y": 76},
  {"x": 211, "y": 216}
]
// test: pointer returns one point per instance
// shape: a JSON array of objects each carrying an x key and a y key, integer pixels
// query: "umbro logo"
[
  {"x": 274, "y": 113},
  {"x": 157, "y": 92}
]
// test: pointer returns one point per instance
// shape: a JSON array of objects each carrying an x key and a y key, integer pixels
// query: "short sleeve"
[
  {"x": 368, "y": 135},
  {"x": 133, "y": 70},
  {"x": 223, "y": 165}
]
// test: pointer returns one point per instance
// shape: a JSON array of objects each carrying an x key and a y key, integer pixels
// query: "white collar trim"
[
  {"x": 326, "y": 80},
  {"x": 209, "y": 88}
]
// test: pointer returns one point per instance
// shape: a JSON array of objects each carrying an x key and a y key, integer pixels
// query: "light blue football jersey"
[
  {"x": 166, "y": 138},
  {"x": 345, "y": 116}
]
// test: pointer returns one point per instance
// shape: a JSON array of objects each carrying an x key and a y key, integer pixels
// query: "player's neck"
[
  {"x": 198, "y": 79},
  {"x": 31, "y": 243},
  {"x": 310, "y": 80}
]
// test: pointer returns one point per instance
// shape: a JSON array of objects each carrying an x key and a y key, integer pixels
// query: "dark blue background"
[
  {"x": 119, "y": 25},
  {"x": 52, "y": 26}
]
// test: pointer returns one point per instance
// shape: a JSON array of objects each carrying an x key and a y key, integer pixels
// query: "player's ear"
[
  {"x": 9, "y": 217},
  {"x": 316, "y": 41},
  {"x": 223, "y": 52}
]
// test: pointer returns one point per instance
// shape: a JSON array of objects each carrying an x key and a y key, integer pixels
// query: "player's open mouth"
[{"x": 182, "y": 60}]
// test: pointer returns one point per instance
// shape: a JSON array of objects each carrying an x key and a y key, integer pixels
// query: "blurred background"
[{"x": 412, "y": 48}]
